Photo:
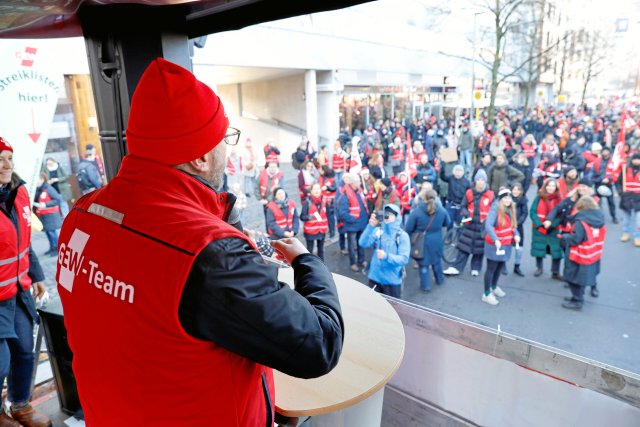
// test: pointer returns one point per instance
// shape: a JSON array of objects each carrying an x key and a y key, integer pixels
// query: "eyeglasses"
[{"x": 232, "y": 137}]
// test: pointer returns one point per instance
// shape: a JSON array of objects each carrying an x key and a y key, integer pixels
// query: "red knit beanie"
[
  {"x": 4, "y": 145},
  {"x": 174, "y": 117}
]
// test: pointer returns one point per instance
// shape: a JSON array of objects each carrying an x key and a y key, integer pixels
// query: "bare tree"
[
  {"x": 510, "y": 22},
  {"x": 596, "y": 48}
]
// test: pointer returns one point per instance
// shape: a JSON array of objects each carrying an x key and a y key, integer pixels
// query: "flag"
[
  {"x": 355, "y": 164},
  {"x": 619, "y": 156}
]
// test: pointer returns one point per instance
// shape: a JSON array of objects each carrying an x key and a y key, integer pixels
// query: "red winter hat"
[
  {"x": 174, "y": 117},
  {"x": 4, "y": 145}
]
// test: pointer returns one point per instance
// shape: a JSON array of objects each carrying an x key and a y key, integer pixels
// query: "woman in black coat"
[
  {"x": 522, "y": 212},
  {"x": 471, "y": 241},
  {"x": 582, "y": 262},
  {"x": 428, "y": 215}
]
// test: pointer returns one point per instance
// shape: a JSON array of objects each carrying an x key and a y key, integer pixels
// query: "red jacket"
[
  {"x": 122, "y": 320},
  {"x": 14, "y": 252},
  {"x": 44, "y": 198}
]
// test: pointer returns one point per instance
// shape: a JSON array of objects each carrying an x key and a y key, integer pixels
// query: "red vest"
[
  {"x": 631, "y": 182},
  {"x": 286, "y": 223},
  {"x": 545, "y": 206},
  {"x": 14, "y": 252},
  {"x": 504, "y": 231},
  {"x": 44, "y": 198},
  {"x": 398, "y": 154},
  {"x": 338, "y": 161},
  {"x": 590, "y": 250},
  {"x": 315, "y": 225},
  {"x": 124, "y": 256},
  {"x": 328, "y": 182},
  {"x": 485, "y": 203},
  {"x": 354, "y": 205},
  {"x": 562, "y": 187},
  {"x": 265, "y": 188}
]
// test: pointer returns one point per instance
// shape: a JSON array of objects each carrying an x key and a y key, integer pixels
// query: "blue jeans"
[
  {"x": 425, "y": 275},
  {"x": 16, "y": 355},
  {"x": 454, "y": 213},
  {"x": 466, "y": 160},
  {"x": 628, "y": 226},
  {"x": 52, "y": 236}
]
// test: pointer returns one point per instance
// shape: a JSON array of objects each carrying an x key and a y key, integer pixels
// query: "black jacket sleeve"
[
  {"x": 233, "y": 299},
  {"x": 35, "y": 269}
]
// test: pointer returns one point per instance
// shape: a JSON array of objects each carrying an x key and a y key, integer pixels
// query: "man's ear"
[{"x": 200, "y": 164}]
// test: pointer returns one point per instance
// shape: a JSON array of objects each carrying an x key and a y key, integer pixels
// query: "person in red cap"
[
  {"x": 20, "y": 273},
  {"x": 167, "y": 303}
]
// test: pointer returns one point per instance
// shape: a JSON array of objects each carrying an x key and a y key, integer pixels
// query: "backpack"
[
  {"x": 83, "y": 177},
  {"x": 294, "y": 160}
]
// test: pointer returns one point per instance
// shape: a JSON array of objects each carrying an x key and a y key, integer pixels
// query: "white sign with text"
[{"x": 29, "y": 90}]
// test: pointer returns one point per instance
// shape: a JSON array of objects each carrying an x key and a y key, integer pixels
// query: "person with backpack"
[
  {"x": 391, "y": 251},
  {"x": 88, "y": 176},
  {"x": 428, "y": 216}
]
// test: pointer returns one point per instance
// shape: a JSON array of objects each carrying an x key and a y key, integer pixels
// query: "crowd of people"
[{"x": 380, "y": 186}]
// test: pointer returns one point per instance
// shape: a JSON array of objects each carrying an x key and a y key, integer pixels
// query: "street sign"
[{"x": 29, "y": 90}]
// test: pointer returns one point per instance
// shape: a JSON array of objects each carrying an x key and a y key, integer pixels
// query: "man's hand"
[
  {"x": 288, "y": 234},
  {"x": 288, "y": 249},
  {"x": 373, "y": 221},
  {"x": 38, "y": 290},
  {"x": 381, "y": 254},
  {"x": 547, "y": 224},
  {"x": 516, "y": 239}
]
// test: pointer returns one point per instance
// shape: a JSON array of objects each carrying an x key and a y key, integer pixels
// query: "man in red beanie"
[{"x": 167, "y": 302}]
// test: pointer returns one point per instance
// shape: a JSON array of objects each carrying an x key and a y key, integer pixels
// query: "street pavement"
[{"x": 605, "y": 330}]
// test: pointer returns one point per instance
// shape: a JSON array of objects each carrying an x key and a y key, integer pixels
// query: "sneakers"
[
  {"x": 517, "y": 271},
  {"x": 354, "y": 267},
  {"x": 451, "y": 271},
  {"x": 594, "y": 292},
  {"x": 490, "y": 299},
  {"x": 625, "y": 237},
  {"x": 498, "y": 292},
  {"x": 344, "y": 252},
  {"x": 538, "y": 272},
  {"x": 475, "y": 273},
  {"x": 557, "y": 276},
  {"x": 572, "y": 305}
]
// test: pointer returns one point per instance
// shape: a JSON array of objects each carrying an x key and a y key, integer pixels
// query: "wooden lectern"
[{"x": 352, "y": 393}]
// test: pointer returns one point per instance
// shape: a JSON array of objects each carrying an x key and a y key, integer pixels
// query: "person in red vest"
[
  {"x": 327, "y": 181},
  {"x": 163, "y": 292},
  {"x": 316, "y": 214},
  {"x": 583, "y": 245},
  {"x": 339, "y": 162},
  {"x": 475, "y": 206},
  {"x": 501, "y": 236},
  {"x": 47, "y": 208},
  {"x": 568, "y": 182},
  {"x": 20, "y": 272},
  {"x": 630, "y": 200},
  {"x": 270, "y": 178},
  {"x": 282, "y": 216}
]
